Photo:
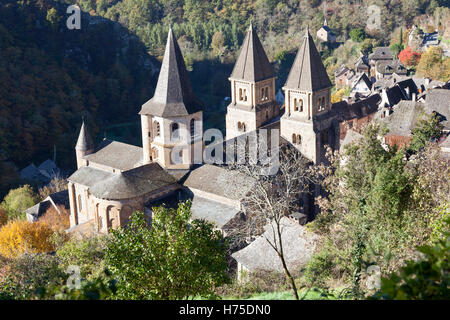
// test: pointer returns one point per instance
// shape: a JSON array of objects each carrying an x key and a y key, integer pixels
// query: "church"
[{"x": 114, "y": 179}]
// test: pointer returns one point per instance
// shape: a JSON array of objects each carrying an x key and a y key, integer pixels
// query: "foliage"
[
  {"x": 409, "y": 57},
  {"x": 57, "y": 184},
  {"x": 422, "y": 279},
  {"x": 3, "y": 217},
  {"x": 29, "y": 272},
  {"x": 88, "y": 254},
  {"x": 19, "y": 236},
  {"x": 434, "y": 64},
  {"x": 380, "y": 207},
  {"x": 339, "y": 94},
  {"x": 174, "y": 259},
  {"x": 17, "y": 201},
  {"x": 357, "y": 34},
  {"x": 428, "y": 128}
]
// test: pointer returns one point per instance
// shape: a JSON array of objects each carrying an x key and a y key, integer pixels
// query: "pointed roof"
[
  {"x": 308, "y": 72},
  {"x": 173, "y": 94},
  {"x": 252, "y": 63},
  {"x": 84, "y": 141}
]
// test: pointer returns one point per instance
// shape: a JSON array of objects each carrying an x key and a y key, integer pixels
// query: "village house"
[
  {"x": 325, "y": 34},
  {"x": 343, "y": 77},
  {"x": 386, "y": 68},
  {"x": 379, "y": 54},
  {"x": 361, "y": 86}
]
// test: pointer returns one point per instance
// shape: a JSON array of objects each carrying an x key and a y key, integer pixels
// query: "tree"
[
  {"x": 273, "y": 197},
  {"x": 17, "y": 201},
  {"x": 434, "y": 65},
  {"x": 172, "y": 259},
  {"x": 3, "y": 217},
  {"x": 17, "y": 237},
  {"x": 428, "y": 128},
  {"x": 408, "y": 57},
  {"x": 217, "y": 43},
  {"x": 57, "y": 184},
  {"x": 357, "y": 34}
]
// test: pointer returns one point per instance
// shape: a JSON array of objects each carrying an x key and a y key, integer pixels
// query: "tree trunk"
[{"x": 283, "y": 262}]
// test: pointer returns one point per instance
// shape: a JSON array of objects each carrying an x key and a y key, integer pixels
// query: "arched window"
[
  {"x": 294, "y": 138},
  {"x": 295, "y": 105},
  {"x": 156, "y": 128},
  {"x": 192, "y": 128},
  {"x": 245, "y": 94},
  {"x": 299, "y": 139},
  {"x": 262, "y": 95},
  {"x": 239, "y": 126},
  {"x": 154, "y": 153},
  {"x": 267, "y": 93},
  {"x": 243, "y": 126},
  {"x": 241, "y": 97},
  {"x": 175, "y": 131},
  {"x": 80, "y": 206},
  {"x": 300, "y": 102}
]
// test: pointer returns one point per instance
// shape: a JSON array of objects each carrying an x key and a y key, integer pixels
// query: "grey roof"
[
  {"x": 124, "y": 185},
  {"x": 56, "y": 199},
  {"x": 308, "y": 72},
  {"x": 390, "y": 67},
  {"x": 218, "y": 213},
  {"x": 31, "y": 172},
  {"x": 395, "y": 95},
  {"x": 298, "y": 246},
  {"x": 404, "y": 117},
  {"x": 220, "y": 181},
  {"x": 173, "y": 94},
  {"x": 252, "y": 63},
  {"x": 84, "y": 141},
  {"x": 364, "y": 78},
  {"x": 358, "y": 109},
  {"x": 382, "y": 53},
  {"x": 362, "y": 63},
  {"x": 117, "y": 155},
  {"x": 438, "y": 100},
  {"x": 350, "y": 137}
]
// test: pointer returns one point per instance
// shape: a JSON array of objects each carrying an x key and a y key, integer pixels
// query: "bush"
[
  {"x": 21, "y": 236},
  {"x": 3, "y": 217},
  {"x": 17, "y": 201},
  {"x": 59, "y": 221},
  {"x": 357, "y": 34}
]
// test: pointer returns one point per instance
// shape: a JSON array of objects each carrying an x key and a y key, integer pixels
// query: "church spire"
[
  {"x": 252, "y": 63},
  {"x": 308, "y": 72},
  {"x": 173, "y": 94},
  {"x": 84, "y": 142}
]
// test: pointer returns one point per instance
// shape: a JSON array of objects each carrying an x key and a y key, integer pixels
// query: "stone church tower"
[
  {"x": 309, "y": 123},
  {"x": 172, "y": 120},
  {"x": 84, "y": 146},
  {"x": 252, "y": 89}
]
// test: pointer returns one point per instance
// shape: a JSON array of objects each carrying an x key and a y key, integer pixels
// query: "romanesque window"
[
  {"x": 245, "y": 94},
  {"x": 294, "y": 138},
  {"x": 265, "y": 94},
  {"x": 263, "y": 97},
  {"x": 79, "y": 203},
  {"x": 175, "y": 131},
  {"x": 241, "y": 126},
  {"x": 299, "y": 139},
  {"x": 241, "y": 97},
  {"x": 156, "y": 128},
  {"x": 295, "y": 104},
  {"x": 300, "y": 104},
  {"x": 192, "y": 128}
]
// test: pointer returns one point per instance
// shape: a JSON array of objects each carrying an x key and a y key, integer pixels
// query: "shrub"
[
  {"x": 59, "y": 221},
  {"x": 3, "y": 217},
  {"x": 21, "y": 236}
]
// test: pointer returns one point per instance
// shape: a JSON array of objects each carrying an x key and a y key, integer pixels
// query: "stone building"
[
  {"x": 325, "y": 34},
  {"x": 253, "y": 100},
  {"x": 309, "y": 122}
]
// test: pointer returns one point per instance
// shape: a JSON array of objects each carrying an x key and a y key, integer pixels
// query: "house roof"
[
  {"x": 84, "y": 141},
  {"x": 404, "y": 117},
  {"x": 308, "y": 72},
  {"x": 362, "y": 63},
  {"x": 438, "y": 100},
  {"x": 220, "y": 181},
  {"x": 252, "y": 63},
  {"x": 359, "y": 109},
  {"x": 390, "y": 67},
  {"x": 218, "y": 213},
  {"x": 363, "y": 77},
  {"x": 117, "y": 155},
  {"x": 31, "y": 172},
  {"x": 381, "y": 53},
  {"x": 123, "y": 185},
  {"x": 60, "y": 198},
  {"x": 394, "y": 95},
  {"x": 173, "y": 94},
  {"x": 350, "y": 137},
  {"x": 298, "y": 246}
]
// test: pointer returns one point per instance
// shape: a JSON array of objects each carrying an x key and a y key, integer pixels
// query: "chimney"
[{"x": 413, "y": 96}]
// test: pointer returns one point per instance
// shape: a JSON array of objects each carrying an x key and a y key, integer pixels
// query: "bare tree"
[{"x": 276, "y": 196}]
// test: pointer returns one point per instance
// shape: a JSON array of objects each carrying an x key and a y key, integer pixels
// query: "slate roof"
[
  {"x": 404, "y": 117},
  {"x": 173, "y": 94},
  {"x": 220, "y": 181},
  {"x": 124, "y": 185},
  {"x": 117, "y": 155},
  {"x": 350, "y": 137},
  {"x": 56, "y": 199},
  {"x": 359, "y": 109},
  {"x": 298, "y": 246},
  {"x": 408, "y": 85},
  {"x": 390, "y": 67},
  {"x": 252, "y": 63},
  {"x": 395, "y": 95},
  {"x": 381, "y": 53},
  {"x": 308, "y": 72},
  {"x": 438, "y": 100},
  {"x": 31, "y": 172},
  {"x": 362, "y": 63},
  {"x": 218, "y": 213},
  {"x": 84, "y": 141},
  {"x": 363, "y": 77}
]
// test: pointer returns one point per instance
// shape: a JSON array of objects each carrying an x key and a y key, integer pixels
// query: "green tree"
[
  {"x": 428, "y": 127},
  {"x": 172, "y": 259},
  {"x": 17, "y": 200},
  {"x": 357, "y": 34}
]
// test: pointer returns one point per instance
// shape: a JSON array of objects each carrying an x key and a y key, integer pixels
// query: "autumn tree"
[
  {"x": 17, "y": 201},
  {"x": 433, "y": 64},
  {"x": 409, "y": 57},
  {"x": 217, "y": 43}
]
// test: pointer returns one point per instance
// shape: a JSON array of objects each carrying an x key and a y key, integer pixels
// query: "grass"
[{"x": 304, "y": 294}]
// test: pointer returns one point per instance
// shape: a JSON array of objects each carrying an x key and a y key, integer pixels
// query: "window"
[
  {"x": 156, "y": 128},
  {"x": 175, "y": 131},
  {"x": 245, "y": 94},
  {"x": 265, "y": 94},
  {"x": 241, "y": 126},
  {"x": 295, "y": 105},
  {"x": 192, "y": 128},
  {"x": 80, "y": 205},
  {"x": 294, "y": 138},
  {"x": 300, "y": 102},
  {"x": 299, "y": 139},
  {"x": 154, "y": 153},
  {"x": 241, "y": 97}
]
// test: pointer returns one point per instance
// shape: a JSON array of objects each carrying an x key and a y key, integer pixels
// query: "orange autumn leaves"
[{"x": 20, "y": 236}]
